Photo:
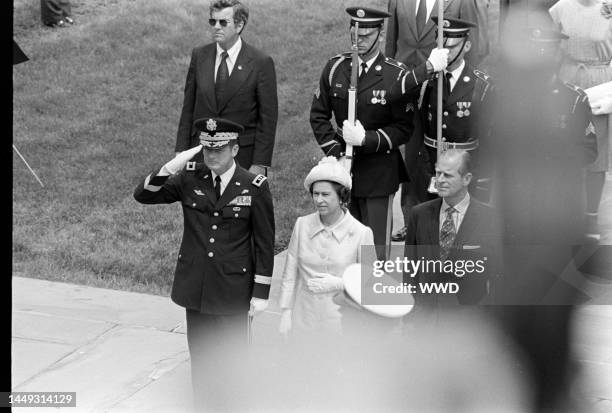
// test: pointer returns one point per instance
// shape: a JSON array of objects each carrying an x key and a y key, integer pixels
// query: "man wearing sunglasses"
[{"x": 233, "y": 80}]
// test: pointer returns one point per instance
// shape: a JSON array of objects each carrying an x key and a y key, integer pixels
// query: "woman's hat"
[{"x": 328, "y": 169}]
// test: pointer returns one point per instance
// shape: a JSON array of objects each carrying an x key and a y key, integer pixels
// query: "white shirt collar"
[
  {"x": 225, "y": 176},
  {"x": 456, "y": 73},
  {"x": 461, "y": 207},
  {"x": 370, "y": 62},
  {"x": 232, "y": 53}
]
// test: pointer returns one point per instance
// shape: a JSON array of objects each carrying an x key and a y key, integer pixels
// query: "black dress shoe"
[{"x": 399, "y": 235}]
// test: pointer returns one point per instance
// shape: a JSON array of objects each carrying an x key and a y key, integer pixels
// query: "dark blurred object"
[
  {"x": 542, "y": 144},
  {"x": 56, "y": 13},
  {"x": 18, "y": 55},
  {"x": 598, "y": 268}
]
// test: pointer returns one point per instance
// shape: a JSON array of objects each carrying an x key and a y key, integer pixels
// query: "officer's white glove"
[
  {"x": 602, "y": 106},
  {"x": 353, "y": 134},
  {"x": 438, "y": 59},
  {"x": 325, "y": 283},
  {"x": 257, "y": 305},
  {"x": 179, "y": 161},
  {"x": 285, "y": 322}
]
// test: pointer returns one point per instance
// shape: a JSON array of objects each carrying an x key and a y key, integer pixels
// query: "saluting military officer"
[
  {"x": 384, "y": 120},
  {"x": 225, "y": 260},
  {"x": 467, "y": 96}
]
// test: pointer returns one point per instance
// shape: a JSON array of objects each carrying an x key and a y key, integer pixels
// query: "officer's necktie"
[
  {"x": 222, "y": 77},
  {"x": 447, "y": 233},
  {"x": 218, "y": 187},
  {"x": 363, "y": 73},
  {"x": 447, "y": 87},
  {"x": 421, "y": 16}
]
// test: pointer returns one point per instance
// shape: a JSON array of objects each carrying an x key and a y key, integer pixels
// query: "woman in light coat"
[{"x": 322, "y": 246}]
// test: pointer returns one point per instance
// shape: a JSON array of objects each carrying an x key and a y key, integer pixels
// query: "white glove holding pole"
[
  {"x": 179, "y": 161},
  {"x": 353, "y": 134},
  {"x": 438, "y": 59},
  {"x": 325, "y": 283},
  {"x": 285, "y": 322},
  {"x": 257, "y": 305}
]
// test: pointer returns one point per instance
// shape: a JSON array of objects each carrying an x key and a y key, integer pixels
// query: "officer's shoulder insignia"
[
  {"x": 395, "y": 63},
  {"x": 259, "y": 179},
  {"x": 191, "y": 166},
  {"x": 482, "y": 76},
  {"x": 317, "y": 92}
]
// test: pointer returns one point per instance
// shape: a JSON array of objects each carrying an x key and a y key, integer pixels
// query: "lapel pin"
[
  {"x": 466, "y": 79},
  {"x": 237, "y": 183},
  {"x": 205, "y": 176},
  {"x": 239, "y": 67},
  {"x": 377, "y": 68},
  {"x": 245, "y": 191}
]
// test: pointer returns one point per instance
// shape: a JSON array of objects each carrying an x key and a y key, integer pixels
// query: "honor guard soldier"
[
  {"x": 225, "y": 261},
  {"x": 383, "y": 120},
  {"x": 466, "y": 99}
]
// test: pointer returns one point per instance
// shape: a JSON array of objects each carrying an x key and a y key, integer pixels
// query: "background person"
[
  {"x": 587, "y": 54},
  {"x": 233, "y": 80},
  {"x": 322, "y": 246},
  {"x": 225, "y": 259},
  {"x": 56, "y": 13}
]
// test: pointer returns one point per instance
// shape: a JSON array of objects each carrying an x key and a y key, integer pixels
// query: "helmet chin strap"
[
  {"x": 458, "y": 54},
  {"x": 371, "y": 47}
]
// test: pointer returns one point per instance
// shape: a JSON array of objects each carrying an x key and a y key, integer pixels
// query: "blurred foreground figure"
[
  {"x": 586, "y": 62},
  {"x": 56, "y": 13},
  {"x": 545, "y": 140}
]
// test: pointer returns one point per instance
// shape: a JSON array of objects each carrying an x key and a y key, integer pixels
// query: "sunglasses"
[{"x": 222, "y": 22}]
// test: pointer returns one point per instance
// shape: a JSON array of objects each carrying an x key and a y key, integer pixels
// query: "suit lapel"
[
  {"x": 434, "y": 228},
  {"x": 430, "y": 25},
  {"x": 209, "y": 75},
  {"x": 373, "y": 76},
  {"x": 240, "y": 73},
  {"x": 411, "y": 12},
  {"x": 468, "y": 225}
]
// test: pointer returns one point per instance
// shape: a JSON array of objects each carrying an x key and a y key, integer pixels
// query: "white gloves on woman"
[{"x": 325, "y": 283}]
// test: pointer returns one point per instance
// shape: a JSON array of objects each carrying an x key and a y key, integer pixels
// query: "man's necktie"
[
  {"x": 218, "y": 187},
  {"x": 363, "y": 73},
  {"x": 222, "y": 77},
  {"x": 421, "y": 16},
  {"x": 447, "y": 233},
  {"x": 447, "y": 87}
]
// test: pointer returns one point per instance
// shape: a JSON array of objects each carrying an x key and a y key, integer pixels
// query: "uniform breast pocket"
[
  {"x": 339, "y": 93},
  {"x": 236, "y": 212},
  {"x": 196, "y": 203}
]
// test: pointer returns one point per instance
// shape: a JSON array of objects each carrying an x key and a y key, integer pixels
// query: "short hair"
[
  {"x": 466, "y": 159},
  {"x": 241, "y": 12},
  {"x": 343, "y": 192}
]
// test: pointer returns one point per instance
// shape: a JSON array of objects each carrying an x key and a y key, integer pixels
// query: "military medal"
[
  {"x": 376, "y": 93},
  {"x": 466, "y": 112},
  {"x": 383, "y": 101},
  {"x": 460, "y": 112}
]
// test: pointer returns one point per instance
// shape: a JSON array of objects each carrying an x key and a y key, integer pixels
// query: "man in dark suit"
[
  {"x": 454, "y": 228},
  {"x": 226, "y": 257},
  {"x": 233, "y": 80},
  {"x": 384, "y": 121},
  {"x": 411, "y": 37}
]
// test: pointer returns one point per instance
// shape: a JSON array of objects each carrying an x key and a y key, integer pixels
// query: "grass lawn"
[{"x": 97, "y": 106}]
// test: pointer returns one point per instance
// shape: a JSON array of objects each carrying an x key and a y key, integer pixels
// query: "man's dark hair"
[
  {"x": 241, "y": 12},
  {"x": 343, "y": 192}
]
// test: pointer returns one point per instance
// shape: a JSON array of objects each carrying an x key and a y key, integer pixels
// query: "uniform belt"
[{"x": 468, "y": 146}]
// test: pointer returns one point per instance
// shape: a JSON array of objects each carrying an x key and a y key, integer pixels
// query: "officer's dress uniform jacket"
[
  {"x": 387, "y": 118},
  {"x": 465, "y": 116},
  {"x": 227, "y": 252}
]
